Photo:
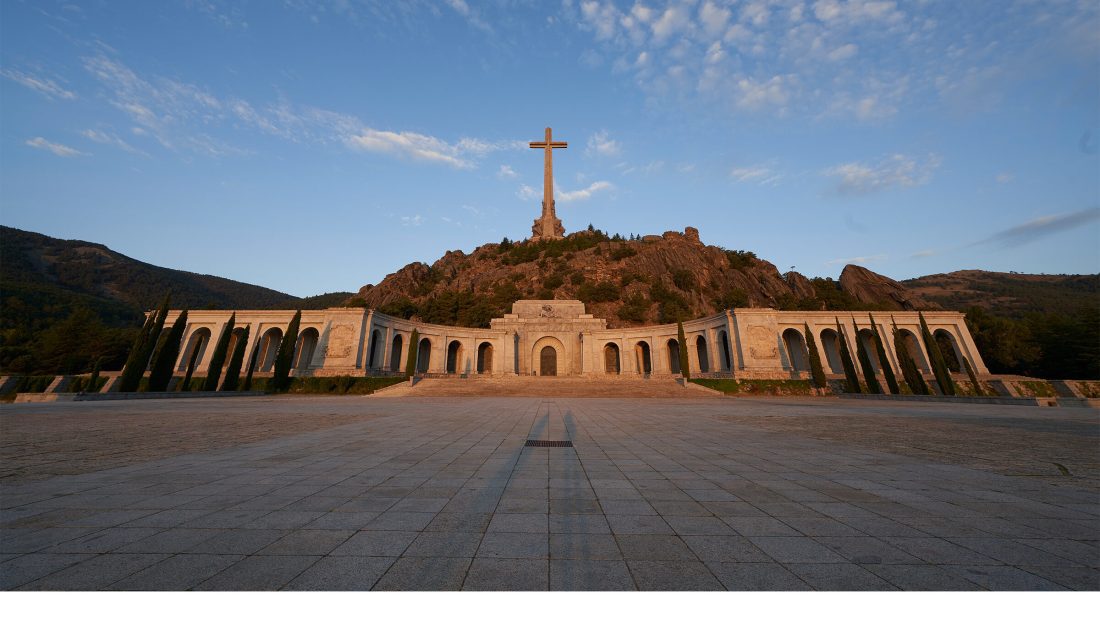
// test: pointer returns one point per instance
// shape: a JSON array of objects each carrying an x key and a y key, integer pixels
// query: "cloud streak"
[
  {"x": 42, "y": 85},
  {"x": 896, "y": 171},
  {"x": 60, "y": 150},
  {"x": 1041, "y": 227}
]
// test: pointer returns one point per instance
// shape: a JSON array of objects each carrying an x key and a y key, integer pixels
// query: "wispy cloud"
[
  {"x": 527, "y": 193},
  {"x": 863, "y": 259},
  {"x": 924, "y": 253},
  {"x": 412, "y": 221},
  {"x": 506, "y": 172},
  {"x": 585, "y": 193},
  {"x": 600, "y": 144},
  {"x": 60, "y": 150},
  {"x": 1004, "y": 178},
  {"x": 470, "y": 15},
  {"x": 110, "y": 139},
  {"x": 898, "y": 170},
  {"x": 179, "y": 115},
  {"x": 1041, "y": 227},
  {"x": 43, "y": 85},
  {"x": 758, "y": 174}
]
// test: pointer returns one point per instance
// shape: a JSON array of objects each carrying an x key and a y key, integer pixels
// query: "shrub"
[
  {"x": 740, "y": 260},
  {"x": 683, "y": 279},
  {"x": 816, "y": 369},
  {"x": 598, "y": 293},
  {"x": 865, "y": 365},
  {"x": 143, "y": 348},
  {"x": 883, "y": 360},
  {"x": 850, "y": 377},
  {"x": 939, "y": 366},
  {"x": 414, "y": 349},
  {"x": 634, "y": 309},
  {"x": 165, "y": 363},
  {"x": 576, "y": 278},
  {"x": 233, "y": 372},
  {"x": 284, "y": 358},
  {"x": 623, "y": 251},
  {"x": 217, "y": 361}
]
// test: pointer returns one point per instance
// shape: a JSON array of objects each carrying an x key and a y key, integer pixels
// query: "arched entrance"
[
  {"x": 196, "y": 347},
  {"x": 611, "y": 358},
  {"x": 548, "y": 361},
  {"x": 395, "y": 353},
  {"x": 303, "y": 350},
  {"x": 485, "y": 358},
  {"x": 830, "y": 344},
  {"x": 423, "y": 355},
  {"x": 269, "y": 349},
  {"x": 643, "y": 357},
  {"x": 867, "y": 340},
  {"x": 673, "y": 356},
  {"x": 949, "y": 348},
  {"x": 724, "y": 341},
  {"x": 373, "y": 359},
  {"x": 454, "y": 356},
  {"x": 701, "y": 352},
  {"x": 912, "y": 345},
  {"x": 796, "y": 350}
]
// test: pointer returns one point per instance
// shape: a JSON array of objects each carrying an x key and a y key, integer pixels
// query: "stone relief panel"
[
  {"x": 762, "y": 343},
  {"x": 341, "y": 342}
]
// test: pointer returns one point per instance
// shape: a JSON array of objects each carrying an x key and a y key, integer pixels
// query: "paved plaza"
[{"x": 361, "y": 493}]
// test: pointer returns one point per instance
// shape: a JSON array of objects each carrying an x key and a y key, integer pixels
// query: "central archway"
[
  {"x": 548, "y": 361},
  {"x": 552, "y": 362}
]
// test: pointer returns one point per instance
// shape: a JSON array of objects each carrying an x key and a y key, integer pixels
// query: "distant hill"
[
  {"x": 44, "y": 280},
  {"x": 1009, "y": 295}
]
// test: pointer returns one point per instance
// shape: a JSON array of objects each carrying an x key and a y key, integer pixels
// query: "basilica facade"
[{"x": 558, "y": 338}]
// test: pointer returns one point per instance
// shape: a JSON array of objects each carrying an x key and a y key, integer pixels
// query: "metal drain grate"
[{"x": 550, "y": 443}]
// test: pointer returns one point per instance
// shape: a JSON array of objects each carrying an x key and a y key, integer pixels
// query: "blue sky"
[{"x": 317, "y": 146}]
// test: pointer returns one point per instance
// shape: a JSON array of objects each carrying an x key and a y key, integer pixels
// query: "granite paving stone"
[
  {"x": 96, "y": 573},
  {"x": 308, "y": 542},
  {"x": 507, "y": 574},
  {"x": 428, "y": 574},
  {"x": 179, "y": 572},
  {"x": 341, "y": 573},
  {"x": 259, "y": 573},
  {"x": 758, "y": 576},
  {"x": 590, "y": 575},
  {"x": 679, "y": 575},
  {"x": 573, "y": 546}
]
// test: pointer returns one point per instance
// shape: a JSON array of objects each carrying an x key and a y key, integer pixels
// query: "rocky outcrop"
[
  {"x": 626, "y": 282},
  {"x": 870, "y": 287}
]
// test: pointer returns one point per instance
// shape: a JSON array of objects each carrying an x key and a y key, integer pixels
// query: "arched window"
[
  {"x": 724, "y": 341},
  {"x": 830, "y": 344},
  {"x": 269, "y": 349},
  {"x": 196, "y": 346},
  {"x": 454, "y": 356},
  {"x": 949, "y": 348}
]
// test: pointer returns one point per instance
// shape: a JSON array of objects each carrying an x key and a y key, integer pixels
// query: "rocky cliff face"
[
  {"x": 654, "y": 279},
  {"x": 870, "y": 287}
]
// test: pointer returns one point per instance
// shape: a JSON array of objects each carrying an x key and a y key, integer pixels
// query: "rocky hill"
[
  {"x": 646, "y": 280},
  {"x": 1009, "y": 294}
]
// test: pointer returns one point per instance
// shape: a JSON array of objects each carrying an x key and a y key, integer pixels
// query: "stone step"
[{"x": 528, "y": 386}]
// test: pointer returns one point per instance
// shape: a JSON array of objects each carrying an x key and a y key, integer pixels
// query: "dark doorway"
[{"x": 548, "y": 361}]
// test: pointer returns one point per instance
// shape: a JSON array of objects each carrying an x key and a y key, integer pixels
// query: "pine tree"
[
  {"x": 865, "y": 364},
  {"x": 908, "y": 367},
  {"x": 978, "y": 391},
  {"x": 681, "y": 348},
  {"x": 191, "y": 362},
  {"x": 414, "y": 349},
  {"x": 817, "y": 371},
  {"x": 93, "y": 380},
  {"x": 247, "y": 386},
  {"x": 883, "y": 360},
  {"x": 280, "y": 381},
  {"x": 233, "y": 371},
  {"x": 214, "y": 372},
  {"x": 163, "y": 366},
  {"x": 143, "y": 348},
  {"x": 939, "y": 366},
  {"x": 850, "y": 377}
]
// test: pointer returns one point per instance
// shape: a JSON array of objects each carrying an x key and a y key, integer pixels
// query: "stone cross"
[{"x": 548, "y": 226}]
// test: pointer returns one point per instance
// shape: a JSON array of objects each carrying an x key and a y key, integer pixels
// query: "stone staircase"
[{"x": 557, "y": 387}]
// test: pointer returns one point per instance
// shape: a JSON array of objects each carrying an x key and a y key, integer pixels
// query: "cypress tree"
[
  {"x": 908, "y": 367},
  {"x": 850, "y": 376},
  {"x": 93, "y": 380},
  {"x": 285, "y": 356},
  {"x": 978, "y": 391},
  {"x": 414, "y": 349},
  {"x": 939, "y": 366},
  {"x": 247, "y": 386},
  {"x": 130, "y": 379},
  {"x": 163, "y": 366},
  {"x": 865, "y": 364},
  {"x": 191, "y": 362},
  {"x": 816, "y": 368},
  {"x": 681, "y": 348},
  {"x": 883, "y": 360},
  {"x": 233, "y": 371},
  {"x": 214, "y": 373}
]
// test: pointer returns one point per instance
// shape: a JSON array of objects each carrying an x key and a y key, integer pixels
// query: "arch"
[
  {"x": 724, "y": 341},
  {"x": 269, "y": 348},
  {"x": 867, "y": 340},
  {"x": 485, "y": 358},
  {"x": 912, "y": 344},
  {"x": 539, "y": 354},
  {"x": 196, "y": 344},
  {"x": 304, "y": 348},
  {"x": 454, "y": 356},
  {"x": 548, "y": 361},
  {"x": 830, "y": 345},
  {"x": 611, "y": 359},
  {"x": 643, "y": 357},
  {"x": 373, "y": 359},
  {"x": 701, "y": 352},
  {"x": 796, "y": 350},
  {"x": 395, "y": 352},
  {"x": 949, "y": 347},
  {"x": 673, "y": 356},
  {"x": 423, "y": 355}
]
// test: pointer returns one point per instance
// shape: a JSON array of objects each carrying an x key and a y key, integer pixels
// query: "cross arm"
[{"x": 552, "y": 144}]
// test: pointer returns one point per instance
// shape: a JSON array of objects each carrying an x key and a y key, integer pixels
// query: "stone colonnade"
[{"x": 557, "y": 337}]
